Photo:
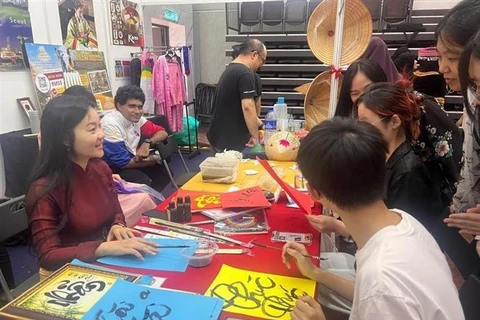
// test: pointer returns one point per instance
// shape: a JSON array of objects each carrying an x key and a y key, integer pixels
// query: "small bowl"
[{"x": 204, "y": 254}]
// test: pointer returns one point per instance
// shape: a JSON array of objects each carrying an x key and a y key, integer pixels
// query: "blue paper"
[
  {"x": 168, "y": 259},
  {"x": 127, "y": 300}
]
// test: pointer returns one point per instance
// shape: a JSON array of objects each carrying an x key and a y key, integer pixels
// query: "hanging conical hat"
[
  {"x": 357, "y": 30},
  {"x": 316, "y": 103},
  {"x": 303, "y": 89}
]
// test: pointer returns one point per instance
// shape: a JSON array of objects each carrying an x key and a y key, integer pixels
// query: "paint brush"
[
  {"x": 172, "y": 247},
  {"x": 281, "y": 249}
]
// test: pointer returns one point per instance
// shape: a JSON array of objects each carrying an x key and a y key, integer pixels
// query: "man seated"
[
  {"x": 401, "y": 272},
  {"x": 123, "y": 129}
]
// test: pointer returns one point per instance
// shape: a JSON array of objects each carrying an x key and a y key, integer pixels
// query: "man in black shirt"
[{"x": 235, "y": 119}]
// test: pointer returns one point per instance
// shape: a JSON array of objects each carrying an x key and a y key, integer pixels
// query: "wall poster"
[
  {"x": 77, "y": 22},
  {"x": 15, "y": 29},
  {"x": 53, "y": 70},
  {"x": 127, "y": 23}
]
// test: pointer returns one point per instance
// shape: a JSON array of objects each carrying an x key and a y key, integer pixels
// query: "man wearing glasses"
[{"x": 235, "y": 121}]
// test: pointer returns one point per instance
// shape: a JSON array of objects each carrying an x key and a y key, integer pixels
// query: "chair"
[
  {"x": 168, "y": 148},
  {"x": 272, "y": 13},
  {"x": 469, "y": 294},
  {"x": 375, "y": 8},
  {"x": 397, "y": 16},
  {"x": 250, "y": 13},
  {"x": 296, "y": 12},
  {"x": 14, "y": 220}
]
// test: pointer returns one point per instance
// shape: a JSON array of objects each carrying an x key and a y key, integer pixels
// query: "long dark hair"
[
  {"x": 387, "y": 100},
  {"x": 370, "y": 69},
  {"x": 472, "y": 49},
  {"x": 54, "y": 162},
  {"x": 460, "y": 23}
]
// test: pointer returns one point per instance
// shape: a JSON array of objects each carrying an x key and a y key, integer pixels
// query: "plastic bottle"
[
  {"x": 281, "y": 114},
  {"x": 270, "y": 125}
]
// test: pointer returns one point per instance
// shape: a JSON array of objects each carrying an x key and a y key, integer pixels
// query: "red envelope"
[{"x": 303, "y": 200}]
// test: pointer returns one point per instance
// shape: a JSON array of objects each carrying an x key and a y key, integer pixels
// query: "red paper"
[
  {"x": 301, "y": 199},
  {"x": 246, "y": 198},
  {"x": 199, "y": 200}
]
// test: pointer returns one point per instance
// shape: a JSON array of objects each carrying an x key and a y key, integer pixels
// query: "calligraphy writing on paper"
[
  {"x": 236, "y": 294},
  {"x": 68, "y": 293},
  {"x": 204, "y": 200},
  {"x": 125, "y": 310}
]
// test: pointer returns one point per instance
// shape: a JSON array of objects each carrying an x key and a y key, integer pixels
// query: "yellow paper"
[{"x": 258, "y": 294}]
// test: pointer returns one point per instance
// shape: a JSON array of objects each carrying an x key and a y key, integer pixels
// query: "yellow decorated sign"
[{"x": 258, "y": 294}]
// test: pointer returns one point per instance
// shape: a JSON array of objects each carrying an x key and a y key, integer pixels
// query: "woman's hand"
[
  {"x": 297, "y": 251},
  {"x": 307, "y": 308},
  {"x": 116, "y": 177},
  {"x": 137, "y": 247},
  {"x": 468, "y": 222},
  {"x": 119, "y": 232}
]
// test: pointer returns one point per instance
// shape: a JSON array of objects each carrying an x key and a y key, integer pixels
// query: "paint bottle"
[
  {"x": 180, "y": 210},
  {"x": 171, "y": 211},
  {"x": 188, "y": 209}
]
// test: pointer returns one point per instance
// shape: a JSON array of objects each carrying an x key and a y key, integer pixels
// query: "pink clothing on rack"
[
  {"x": 177, "y": 83},
  {"x": 161, "y": 85}
]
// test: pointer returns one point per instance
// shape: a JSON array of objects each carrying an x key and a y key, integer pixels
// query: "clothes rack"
[{"x": 191, "y": 152}]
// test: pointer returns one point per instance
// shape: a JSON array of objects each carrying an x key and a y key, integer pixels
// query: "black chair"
[
  {"x": 296, "y": 12},
  {"x": 272, "y": 13},
  {"x": 250, "y": 13},
  {"x": 375, "y": 8},
  {"x": 469, "y": 297},
  {"x": 397, "y": 16},
  {"x": 14, "y": 220},
  {"x": 167, "y": 149}
]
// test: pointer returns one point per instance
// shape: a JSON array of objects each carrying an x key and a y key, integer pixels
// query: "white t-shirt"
[
  {"x": 402, "y": 274},
  {"x": 118, "y": 129}
]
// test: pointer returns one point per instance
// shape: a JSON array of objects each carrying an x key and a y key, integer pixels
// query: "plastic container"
[
  {"x": 270, "y": 125},
  {"x": 219, "y": 170},
  {"x": 204, "y": 254},
  {"x": 281, "y": 114}
]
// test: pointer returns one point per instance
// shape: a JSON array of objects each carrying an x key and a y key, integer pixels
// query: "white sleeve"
[
  {"x": 386, "y": 308},
  {"x": 142, "y": 121},
  {"x": 113, "y": 133}
]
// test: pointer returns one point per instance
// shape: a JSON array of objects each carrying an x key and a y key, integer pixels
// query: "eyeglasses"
[
  {"x": 472, "y": 87},
  {"x": 260, "y": 56}
]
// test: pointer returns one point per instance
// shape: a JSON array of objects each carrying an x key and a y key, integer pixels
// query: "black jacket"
[{"x": 410, "y": 188}]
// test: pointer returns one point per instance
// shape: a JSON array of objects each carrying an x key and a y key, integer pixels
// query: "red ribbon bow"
[{"x": 336, "y": 71}]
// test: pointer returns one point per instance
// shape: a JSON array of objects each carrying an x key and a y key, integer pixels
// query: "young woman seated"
[
  {"x": 71, "y": 202},
  {"x": 408, "y": 184}
]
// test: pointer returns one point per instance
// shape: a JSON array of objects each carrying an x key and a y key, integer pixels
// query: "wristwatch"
[{"x": 148, "y": 140}]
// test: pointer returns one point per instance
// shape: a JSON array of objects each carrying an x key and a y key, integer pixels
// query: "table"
[{"x": 280, "y": 218}]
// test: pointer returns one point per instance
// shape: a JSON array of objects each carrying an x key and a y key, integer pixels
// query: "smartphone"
[{"x": 305, "y": 238}]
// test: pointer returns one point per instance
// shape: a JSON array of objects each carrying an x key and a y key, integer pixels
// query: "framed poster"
[
  {"x": 122, "y": 68},
  {"x": 68, "y": 293},
  {"x": 77, "y": 22},
  {"x": 26, "y": 105},
  {"x": 127, "y": 23},
  {"x": 15, "y": 29}
]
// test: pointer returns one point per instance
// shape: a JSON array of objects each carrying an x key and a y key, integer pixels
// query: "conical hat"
[
  {"x": 316, "y": 103},
  {"x": 357, "y": 31}
]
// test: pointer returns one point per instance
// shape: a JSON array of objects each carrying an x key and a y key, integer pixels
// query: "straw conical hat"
[
  {"x": 357, "y": 31},
  {"x": 317, "y": 99}
]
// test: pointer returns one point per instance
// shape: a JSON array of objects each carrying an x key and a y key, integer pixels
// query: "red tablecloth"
[{"x": 280, "y": 218}]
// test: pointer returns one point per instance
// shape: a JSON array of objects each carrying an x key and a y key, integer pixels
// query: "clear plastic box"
[{"x": 219, "y": 170}]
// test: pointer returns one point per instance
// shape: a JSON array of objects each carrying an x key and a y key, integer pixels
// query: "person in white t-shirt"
[{"x": 401, "y": 272}]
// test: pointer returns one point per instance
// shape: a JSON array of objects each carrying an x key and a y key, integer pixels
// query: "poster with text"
[
  {"x": 122, "y": 68},
  {"x": 91, "y": 67},
  {"x": 48, "y": 66},
  {"x": 127, "y": 24},
  {"x": 15, "y": 29},
  {"x": 78, "y": 24}
]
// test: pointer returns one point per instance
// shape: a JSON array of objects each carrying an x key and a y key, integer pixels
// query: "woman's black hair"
[
  {"x": 472, "y": 49},
  {"x": 81, "y": 91},
  {"x": 54, "y": 162},
  {"x": 460, "y": 23},
  {"x": 370, "y": 69}
]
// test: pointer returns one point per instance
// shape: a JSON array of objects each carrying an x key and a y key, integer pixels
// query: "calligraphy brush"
[
  {"x": 281, "y": 249},
  {"x": 172, "y": 247}
]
